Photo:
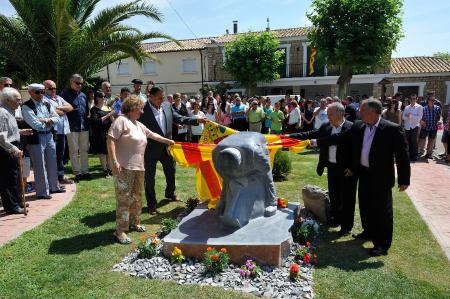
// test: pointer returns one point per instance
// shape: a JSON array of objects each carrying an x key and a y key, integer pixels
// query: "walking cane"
[{"x": 24, "y": 204}]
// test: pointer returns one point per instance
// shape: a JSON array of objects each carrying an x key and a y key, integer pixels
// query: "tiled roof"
[
  {"x": 419, "y": 65},
  {"x": 201, "y": 43}
]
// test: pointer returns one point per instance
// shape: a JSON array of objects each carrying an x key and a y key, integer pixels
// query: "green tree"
[
  {"x": 53, "y": 39},
  {"x": 253, "y": 58},
  {"x": 355, "y": 34},
  {"x": 442, "y": 55}
]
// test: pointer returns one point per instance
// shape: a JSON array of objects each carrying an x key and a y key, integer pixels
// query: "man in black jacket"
[
  {"x": 375, "y": 143},
  {"x": 159, "y": 117},
  {"x": 333, "y": 141}
]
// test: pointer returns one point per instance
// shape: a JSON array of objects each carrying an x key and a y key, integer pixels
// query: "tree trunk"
[{"x": 344, "y": 81}]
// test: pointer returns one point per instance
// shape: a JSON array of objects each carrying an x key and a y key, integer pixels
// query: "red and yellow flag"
[{"x": 208, "y": 181}]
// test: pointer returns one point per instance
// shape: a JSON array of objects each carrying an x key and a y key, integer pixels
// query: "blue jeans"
[{"x": 43, "y": 157}]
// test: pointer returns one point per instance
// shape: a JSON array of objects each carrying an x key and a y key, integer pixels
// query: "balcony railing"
[{"x": 301, "y": 70}]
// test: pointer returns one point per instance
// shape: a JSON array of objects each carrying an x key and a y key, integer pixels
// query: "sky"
[{"x": 426, "y": 24}]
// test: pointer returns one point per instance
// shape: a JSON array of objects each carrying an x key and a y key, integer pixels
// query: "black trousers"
[
  {"x": 411, "y": 136},
  {"x": 375, "y": 206},
  {"x": 168, "y": 164},
  {"x": 240, "y": 124},
  {"x": 10, "y": 181},
  {"x": 342, "y": 191}
]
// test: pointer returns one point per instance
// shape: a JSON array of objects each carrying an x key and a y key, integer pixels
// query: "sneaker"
[
  {"x": 29, "y": 188},
  {"x": 106, "y": 173},
  {"x": 60, "y": 190},
  {"x": 17, "y": 210}
]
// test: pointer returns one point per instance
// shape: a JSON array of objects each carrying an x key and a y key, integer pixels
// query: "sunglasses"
[
  {"x": 39, "y": 91},
  {"x": 78, "y": 83},
  {"x": 7, "y": 85},
  {"x": 51, "y": 88}
]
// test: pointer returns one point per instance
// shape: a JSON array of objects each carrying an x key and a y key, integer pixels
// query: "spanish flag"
[{"x": 208, "y": 182}]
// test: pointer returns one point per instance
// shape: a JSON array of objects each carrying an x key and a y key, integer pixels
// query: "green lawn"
[{"x": 71, "y": 255}]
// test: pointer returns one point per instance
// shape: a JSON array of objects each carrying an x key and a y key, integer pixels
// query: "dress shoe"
[
  {"x": 152, "y": 211},
  {"x": 44, "y": 197},
  {"x": 65, "y": 180},
  {"x": 17, "y": 210},
  {"x": 86, "y": 176},
  {"x": 29, "y": 188},
  {"x": 174, "y": 198},
  {"x": 78, "y": 178},
  {"x": 364, "y": 235},
  {"x": 60, "y": 190},
  {"x": 343, "y": 232},
  {"x": 377, "y": 251}
]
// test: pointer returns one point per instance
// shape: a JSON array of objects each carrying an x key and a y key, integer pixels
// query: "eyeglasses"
[
  {"x": 41, "y": 91},
  {"x": 78, "y": 83},
  {"x": 51, "y": 88},
  {"x": 7, "y": 85}
]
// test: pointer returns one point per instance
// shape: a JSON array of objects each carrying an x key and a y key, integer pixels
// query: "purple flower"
[
  {"x": 248, "y": 263},
  {"x": 242, "y": 273}
]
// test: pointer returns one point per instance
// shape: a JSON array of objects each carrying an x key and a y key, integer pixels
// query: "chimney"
[
  {"x": 235, "y": 27},
  {"x": 268, "y": 25}
]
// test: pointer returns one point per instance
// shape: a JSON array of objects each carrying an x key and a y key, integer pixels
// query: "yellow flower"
[{"x": 176, "y": 251}]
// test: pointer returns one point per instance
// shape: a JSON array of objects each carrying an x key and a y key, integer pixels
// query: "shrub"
[
  {"x": 305, "y": 231},
  {"x": 192, "y": 203},
  {"x": 168, "y": 224},
  {"x": 306, "y": 254},
  {"x": 148, "y": 247},
  {"x": 250, "y": 269},
  {"x": 215, "y": 261},
  {"x": 282, "y": 166}
]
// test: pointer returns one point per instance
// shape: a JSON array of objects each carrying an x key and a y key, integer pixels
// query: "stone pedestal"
[{"x": 264, "y": 239}]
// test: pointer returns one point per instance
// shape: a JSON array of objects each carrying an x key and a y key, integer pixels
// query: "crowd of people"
[{"x": 130, "y": 133}]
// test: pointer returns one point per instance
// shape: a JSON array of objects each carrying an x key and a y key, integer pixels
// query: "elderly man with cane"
[{"x": 11, "y": 187}]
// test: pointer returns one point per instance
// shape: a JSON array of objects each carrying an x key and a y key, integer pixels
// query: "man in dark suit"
[
  {"x": 333, "y": 141},
  {"x": 375, "y": 143},
  {"x": 159, "y": 117}
]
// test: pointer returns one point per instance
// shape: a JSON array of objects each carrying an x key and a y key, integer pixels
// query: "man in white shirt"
[
  {"x": 320, "y": 114},
  {"x": 411, "y": 121}
]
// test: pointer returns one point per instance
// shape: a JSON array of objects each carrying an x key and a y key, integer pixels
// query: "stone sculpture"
[
  {"x": 317, "y": 201},
  {"x": 248, "y": 192}
]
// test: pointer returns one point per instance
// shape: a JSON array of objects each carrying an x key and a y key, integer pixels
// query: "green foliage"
[
  {"x": 167, "y": 225},
  {"x": 305, "y": 231},
  {"x": 148, "y": 247},
  {"x": 215, "y": 261},
  {"x": 442, "y": 55},
  {"x": 54, "y": 39},
  {"x": 220, "y": 88},
  {"x": 355, "y": 34},
  {"x": 177, "y": 256},
  {"x": 282, "y": 166},
  {"x": 253, "y": 58}
]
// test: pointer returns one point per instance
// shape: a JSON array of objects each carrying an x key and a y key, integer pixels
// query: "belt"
[{"x": 44, "y": 132}]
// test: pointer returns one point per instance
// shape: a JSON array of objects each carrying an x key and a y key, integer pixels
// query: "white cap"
[{"x": 35, "y": 86}]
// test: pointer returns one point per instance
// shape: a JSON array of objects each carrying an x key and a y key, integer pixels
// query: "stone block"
[
  {"x": 266, "y": 240},
  {"x": 317, "y": 201}
]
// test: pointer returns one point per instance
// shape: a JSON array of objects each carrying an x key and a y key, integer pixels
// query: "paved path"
[
  {"x": 430, "y": 193},
  {"x": 12, "y": 226}
]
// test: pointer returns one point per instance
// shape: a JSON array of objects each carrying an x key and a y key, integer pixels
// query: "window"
[
  {"x": 189, "y": 65},
  {"x": 149, "y": 67},
  {"x": 123, "y": 68}
]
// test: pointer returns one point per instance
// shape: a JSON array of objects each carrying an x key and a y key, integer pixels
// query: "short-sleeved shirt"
[
  {"x": 431, "y": 117},
  {"x": 255, "y": 116},
  {"x": 267, "y": 111},
  {"x": 117, "y": 107},
  {"x": 239, "y": 108},
  {"x": 321, "y": 117},
  {"x": 131, "y": 140},
  {"x": 277, "y": 118},
  {"x": 198, "y": 129}
]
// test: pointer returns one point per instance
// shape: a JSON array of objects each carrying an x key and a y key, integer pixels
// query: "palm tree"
[{"x": 53, "y": 39}]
